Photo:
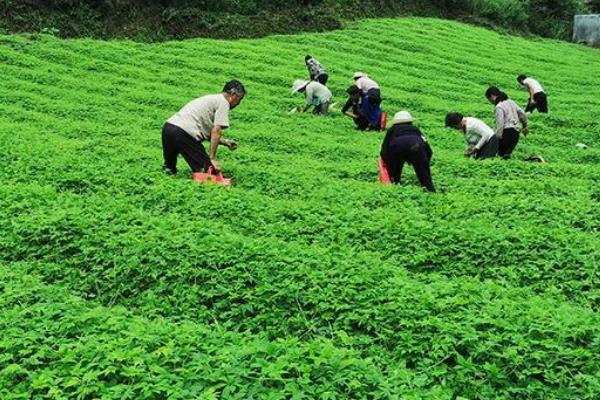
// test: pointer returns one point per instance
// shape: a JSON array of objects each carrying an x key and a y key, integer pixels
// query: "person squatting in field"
[
  {"x": 508, "y": 116},
  {"x": 353, "y": 108},
  {"x": 371, "y": 99},
  {"x": 316, "y": 94},
  {"x": 537, "y": 97},
  {"x": 200, "y": 120},
  {"x": 481, "y": 140},
  {"x": 316, "y": 71},
  {"x": 404, "y": 143}
]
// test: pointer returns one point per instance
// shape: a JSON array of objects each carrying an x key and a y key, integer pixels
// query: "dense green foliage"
[
  {"x": 307, "y": 279},
  {"x": 165, "y": 19}
]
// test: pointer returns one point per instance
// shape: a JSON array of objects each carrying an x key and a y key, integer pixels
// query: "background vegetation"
[
  {"x": 307, "y": 279},
  {"x": 167, "y": 19}
]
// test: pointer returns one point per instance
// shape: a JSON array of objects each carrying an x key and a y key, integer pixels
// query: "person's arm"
[
  {"x": 231, "y": 144},
  {"x": 500, "y": 120},
  {"x": 309, "y": 98},
  {"x": 474, "y": 149},
  {"x": 215, "y": 138},
  {"x": 347, "y": 107},
  {"x": 523, "y": 119},
  {"x": 530, "y": 90},
  {"x": 221, "y": 122}
]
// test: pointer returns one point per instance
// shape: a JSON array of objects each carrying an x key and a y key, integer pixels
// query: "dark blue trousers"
[{"x": 413, "y": 150}]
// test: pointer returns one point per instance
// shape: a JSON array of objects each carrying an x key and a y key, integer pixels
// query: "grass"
[{"x": 308, "y": 279}]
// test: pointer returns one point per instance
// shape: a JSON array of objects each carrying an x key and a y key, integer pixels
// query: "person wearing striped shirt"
[
  {"x": 316, "y": 70},
  {"x": 508, "y": 118}
]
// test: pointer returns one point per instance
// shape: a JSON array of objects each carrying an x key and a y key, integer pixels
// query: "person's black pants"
[
  {"x": 411, "y": 149},
  {"x": 508, "y": 142},
  {"x": 176, "y": 141},
  {"x": 489, "y": 150},
  {"x": 361, "y": 123},
  {"x": 540, "y": 102}
]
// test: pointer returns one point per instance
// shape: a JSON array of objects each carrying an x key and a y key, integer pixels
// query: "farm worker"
[
  {"x": 316, "y": 70},
  {"x": 508, "y": 116},
  {"x": 353, "y": 108},
  {"x": 481, "y": 140},
  {"x": 537, "y": 96},
  {"x": 403, "y": 143},
  {"x": 202, "y": 119},
  {"x": 316, "y": 94},
  {"x": 371, "y": 99}
]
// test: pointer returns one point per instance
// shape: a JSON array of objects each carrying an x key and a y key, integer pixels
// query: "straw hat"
[
  {"x": 358, "y": 75},
  {"x": 299, "y": 85},
  {"x": 402, "y": 117}
]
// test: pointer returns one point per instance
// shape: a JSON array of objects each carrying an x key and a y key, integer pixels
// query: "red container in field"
[
  {"x": 383, "y": 121},
  {"x": 210, "y": 176},
  {"x": 384, "y": 175}
]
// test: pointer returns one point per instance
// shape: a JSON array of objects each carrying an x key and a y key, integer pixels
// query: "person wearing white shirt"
[
  {"x": 316, "y": 94},
  {"x": 200, "y": 120},
  {"x": 371, "y": 96},
  {"x": 481, "y": 140},
  {"x": 537, "y": 97}
]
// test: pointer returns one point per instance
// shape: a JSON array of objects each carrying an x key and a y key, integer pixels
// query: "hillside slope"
[{"x": 308, "y": 279}]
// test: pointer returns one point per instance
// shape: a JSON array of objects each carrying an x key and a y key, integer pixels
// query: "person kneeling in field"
[
  {"x": 481, "y": 140},
  {"x": 316, "y": 94},
  {"x": 508, "y": 116},
  {"x": 201, "y": 119},
  {"x": 403, "y": 143},
  {"x": 537, "y": 97},
  {"x": 371, "y": 99},
  {"x": 353, "y": 108}
]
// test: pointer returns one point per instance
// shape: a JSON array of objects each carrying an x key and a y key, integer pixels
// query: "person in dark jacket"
[
  {"x": 316, "y": 70},
  {"x": 353, "y": 108},
  {"x": 404, "y": 143}
]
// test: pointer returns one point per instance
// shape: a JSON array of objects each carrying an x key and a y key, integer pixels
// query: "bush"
[
  {"x": 506, "y": 13},
  {"x": 553, "y": 18}
]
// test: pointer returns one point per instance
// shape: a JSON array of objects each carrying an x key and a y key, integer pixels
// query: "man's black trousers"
[
  {"x": 540, "y": 102},
  {"x": 176, "y": 141}
]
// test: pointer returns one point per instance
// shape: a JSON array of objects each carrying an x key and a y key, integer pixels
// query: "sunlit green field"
[{"x": 307, "y": 279}]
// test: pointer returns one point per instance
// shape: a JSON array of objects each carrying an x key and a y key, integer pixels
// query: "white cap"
[
  {"x": 358, "y": 75},
  {"x": 299, "y": 85},
  {"x": 402, "y": 117}
]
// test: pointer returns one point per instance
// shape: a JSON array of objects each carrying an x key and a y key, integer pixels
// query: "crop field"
[{"x": 308, "y": 279}]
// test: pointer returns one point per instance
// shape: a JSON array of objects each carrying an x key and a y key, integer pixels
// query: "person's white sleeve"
[
  {"x": 309, "y": 95},
  {"x": 485, "y": 136},
  {"x": 222, "y": 115}
]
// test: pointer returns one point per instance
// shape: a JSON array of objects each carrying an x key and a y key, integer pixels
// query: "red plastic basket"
[
  {"x": 210, "y": 176},
  {"x": 383, "y": 121},
  {"x": 384, "y": 175}
]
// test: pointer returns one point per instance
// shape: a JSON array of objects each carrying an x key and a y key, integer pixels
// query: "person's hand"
[
  {"x": 525, "y": 131},
  {"x": 216, "y": 166},
  {"x": 470, "y": 151},
  {"x": 231, "y": 144}
]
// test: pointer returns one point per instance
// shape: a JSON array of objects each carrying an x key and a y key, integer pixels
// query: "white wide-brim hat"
[
  {"x": 299, "y": 85},
  {"x": 358, "y": 75},
  {"x": 402, "y": 117}
]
